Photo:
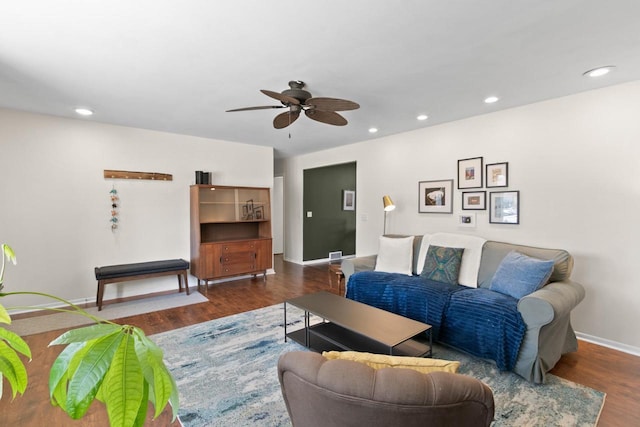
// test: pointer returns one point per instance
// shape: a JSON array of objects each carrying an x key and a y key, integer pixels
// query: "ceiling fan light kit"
[{"x": 297, "y": 99}]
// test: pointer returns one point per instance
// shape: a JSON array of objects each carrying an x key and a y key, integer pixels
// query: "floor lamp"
[{"x": 388, "y": 207}]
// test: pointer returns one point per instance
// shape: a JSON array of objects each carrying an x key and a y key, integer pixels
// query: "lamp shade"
[{"x": 388, "y": 203}]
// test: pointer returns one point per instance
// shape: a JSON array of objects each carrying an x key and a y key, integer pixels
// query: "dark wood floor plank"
[{"x": 604, "y": 369}]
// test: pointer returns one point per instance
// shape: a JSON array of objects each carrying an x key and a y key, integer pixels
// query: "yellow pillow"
[{"x": 379, "y": 361}]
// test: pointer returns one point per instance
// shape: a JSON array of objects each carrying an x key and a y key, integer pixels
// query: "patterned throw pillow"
[{"x": 442, "y": 264}]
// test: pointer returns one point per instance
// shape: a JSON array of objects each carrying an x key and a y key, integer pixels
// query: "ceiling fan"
[{"x": 297, "y": 99}]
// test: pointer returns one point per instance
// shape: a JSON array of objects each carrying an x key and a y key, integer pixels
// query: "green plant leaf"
[
  {"x": 58, "y": 374},
  {"x": 124, "y": 386},
  {"x": 4, "y": 315},
  {"x": 9, "y": 253},
  {"x": 15, "y": 341},
  {"x": 13, "y": 369},
  {"x": 94, "y": 361},
  {"x": 141, "y": 417},
  {"x": 87, "y": 333},
  {"x": 160, "y": 380}
]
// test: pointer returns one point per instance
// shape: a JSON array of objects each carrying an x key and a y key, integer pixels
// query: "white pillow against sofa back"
[
  {"x": 470, "y": 257},
  {"x": 395, "y": 255}
]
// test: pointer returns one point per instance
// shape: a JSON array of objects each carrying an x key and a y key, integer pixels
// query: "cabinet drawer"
[
  {"x": 237, "y": 258},
  {"x": 231, "y": 248},
  {"x": 238, "y": 268}
]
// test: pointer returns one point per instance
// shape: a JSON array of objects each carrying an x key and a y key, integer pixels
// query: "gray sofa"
[
  {"x": 343, "y": 393},
  {"x": 546, "y": 312}
]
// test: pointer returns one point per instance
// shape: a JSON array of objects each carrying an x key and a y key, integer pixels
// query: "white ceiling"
[{"x": 176, "y": 66}]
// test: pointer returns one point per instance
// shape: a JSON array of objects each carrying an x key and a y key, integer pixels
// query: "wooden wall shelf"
[{"x": 154, "y": 176}]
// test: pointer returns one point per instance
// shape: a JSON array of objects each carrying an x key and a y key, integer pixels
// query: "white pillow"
[
  {"x": 395, "y": 255},
  {"x": 470, "y": 257}
]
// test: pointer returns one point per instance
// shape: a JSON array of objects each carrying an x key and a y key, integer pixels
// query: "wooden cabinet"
[{"x": 230, "y": 231}]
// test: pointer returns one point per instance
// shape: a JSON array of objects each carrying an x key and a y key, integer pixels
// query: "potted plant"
[{"x": 116, "y": 364}]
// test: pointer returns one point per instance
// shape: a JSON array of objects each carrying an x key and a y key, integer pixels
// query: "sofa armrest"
[
  {"x": 353, "y": 265},
  {"x": 555, "y": 300}
]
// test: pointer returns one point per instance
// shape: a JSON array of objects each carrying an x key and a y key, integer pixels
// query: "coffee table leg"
[
  {"x": 307, "y": 337},
  {"x": 285, "y": 321}
]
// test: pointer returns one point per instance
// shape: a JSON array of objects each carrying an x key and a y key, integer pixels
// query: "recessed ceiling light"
[
  {"x": 373, "y": 130},
  {"x": 422, "y": 117},
  {"x": 491, "y": 99},
  {"x": 600, "y": 71},
  {"x": 84, "y": 111}
]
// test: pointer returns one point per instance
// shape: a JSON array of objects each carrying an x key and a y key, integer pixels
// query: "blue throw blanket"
[
  {"x": 486, "y": 324},
  {"x": 479, "y": 321},
  {"x": 409, "y": 296}
]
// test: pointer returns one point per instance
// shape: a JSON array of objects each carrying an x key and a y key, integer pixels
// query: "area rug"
[
  {"x": 52, "y": 322},
  {"x": 226, "y": 374}
]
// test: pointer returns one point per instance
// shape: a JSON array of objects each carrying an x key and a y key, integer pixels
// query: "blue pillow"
[
  {"x": 442, "y": 264},
  {"x": 519, "y": 275}
]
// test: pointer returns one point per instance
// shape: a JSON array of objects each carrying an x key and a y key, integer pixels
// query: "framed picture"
[
  {"x": 348, "y": 200},
  {"x": 435, "y": 196},
  {"x": 498, "y": 175},
  {"x": 504, "y": 207},
  {"x": 467, "y": 220},
  {"x": 474, "y": 200},
  {"x": 470, "y": 173},
  {"x": 258, "y": 212}
]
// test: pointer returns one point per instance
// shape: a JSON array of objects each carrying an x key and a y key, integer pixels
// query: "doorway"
[{"x": 329, "y": 210}]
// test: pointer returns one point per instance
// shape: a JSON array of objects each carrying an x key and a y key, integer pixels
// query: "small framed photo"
[
  {"x": 435, "y": 196},
  {"x": 467, "y": 220},
  {"x": 470, "y": 173},
  {"x": 474, "y": 200},
  {"x": 498, "y": 175},
  {"x": 348, "y": 200},
  {"x": 504, "y": 207},
  {"x": 258, "y": 212}
]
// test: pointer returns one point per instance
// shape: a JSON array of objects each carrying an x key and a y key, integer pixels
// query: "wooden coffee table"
[{"x": 351, "y": 325}]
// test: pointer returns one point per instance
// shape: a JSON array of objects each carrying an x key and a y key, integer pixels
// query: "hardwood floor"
[{"x": 614, "y": 372}]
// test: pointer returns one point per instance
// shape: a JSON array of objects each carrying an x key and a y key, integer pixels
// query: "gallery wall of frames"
[{"x": 475, "y": 180}]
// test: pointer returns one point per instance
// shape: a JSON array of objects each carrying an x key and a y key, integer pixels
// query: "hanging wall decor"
[{"x": 114, "y": 208}]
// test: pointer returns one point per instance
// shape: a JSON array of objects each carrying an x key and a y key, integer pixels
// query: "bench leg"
[
  {"x": 183, "y": 275},
  {"x": 100, "y": 294}
]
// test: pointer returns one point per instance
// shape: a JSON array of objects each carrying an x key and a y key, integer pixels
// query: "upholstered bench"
[{"x": 141, "y": 270}]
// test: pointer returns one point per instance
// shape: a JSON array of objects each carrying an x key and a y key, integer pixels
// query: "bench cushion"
[{"x": 125, "y": 270}]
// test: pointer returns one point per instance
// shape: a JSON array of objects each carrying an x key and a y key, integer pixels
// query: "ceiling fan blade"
[
  {"x": 280, "y": 97},
  {"x": 264, "y": 107},
  {"x": 331, "y": 104},
  {"x": 283, "y": 120},
  {"x": 328, "y": 117}
]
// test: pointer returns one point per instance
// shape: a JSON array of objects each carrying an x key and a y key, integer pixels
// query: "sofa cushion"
[
  {"x": 395, "y": 255},
  {"x": 442, "y": 264},
  {"x": 519, "y": 275},
  {"x": 379, "y": 361},
  {"x": 493, "y": 253}
]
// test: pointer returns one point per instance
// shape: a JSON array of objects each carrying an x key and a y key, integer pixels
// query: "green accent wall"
[{"x": 330, "y": 228}]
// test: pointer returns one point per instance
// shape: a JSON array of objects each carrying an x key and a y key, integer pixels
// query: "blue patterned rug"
[{"x": 226, "y": 374}]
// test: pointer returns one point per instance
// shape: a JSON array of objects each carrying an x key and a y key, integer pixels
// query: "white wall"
[
  {"x": 575, "y": 161},
  {"x": 55, "y": 206}
]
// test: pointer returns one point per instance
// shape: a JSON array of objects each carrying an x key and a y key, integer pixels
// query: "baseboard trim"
[{"x": 609, "y": 343}]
